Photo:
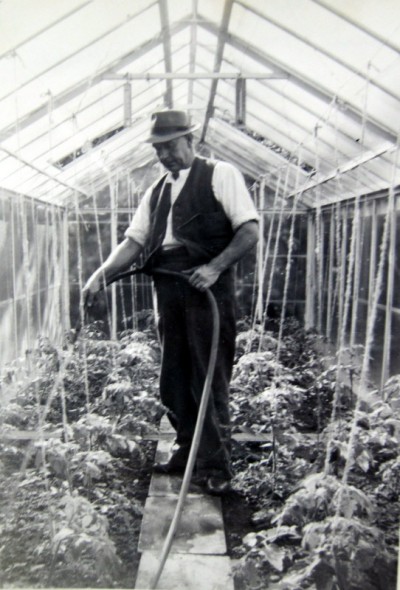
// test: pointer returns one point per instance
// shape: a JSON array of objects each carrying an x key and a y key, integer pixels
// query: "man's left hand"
[{"x": 202, "y": 277}]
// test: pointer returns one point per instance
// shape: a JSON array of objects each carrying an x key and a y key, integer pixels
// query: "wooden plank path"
[{"x": 198, "y": 559}]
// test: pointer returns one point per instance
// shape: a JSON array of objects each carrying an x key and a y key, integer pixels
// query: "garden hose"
[{"x": 200, "y": 417}]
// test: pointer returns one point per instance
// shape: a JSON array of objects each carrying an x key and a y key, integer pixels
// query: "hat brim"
[{"x": 162, "y": 137}]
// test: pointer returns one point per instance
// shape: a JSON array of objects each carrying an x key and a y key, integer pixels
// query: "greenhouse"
[{"x": 300, "y": 101}]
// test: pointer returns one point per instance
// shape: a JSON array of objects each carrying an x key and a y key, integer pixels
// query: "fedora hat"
[{"x": 167, "y": 125}]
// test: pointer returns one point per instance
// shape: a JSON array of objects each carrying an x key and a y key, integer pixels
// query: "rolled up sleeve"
[
  {"x": 231, "y": 191},
  {"x": 139, "y": 228}
]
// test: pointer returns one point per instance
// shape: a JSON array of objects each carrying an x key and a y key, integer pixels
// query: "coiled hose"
[{"x": 200, "y": 417}]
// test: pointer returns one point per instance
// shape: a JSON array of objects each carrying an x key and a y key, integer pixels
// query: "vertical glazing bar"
[
  {"x": 113, "y": 220},
  {"x": 330, "y": 276},
  {"x": 320, "y": 267},
  {"x": 260, "y": 253},
  {"x": 64, "y": 260},
  {"x": 343, "y": 268},
  {"x": 357, "y": 272},
  {"x": 26, "y": 270},
  {"x": 310, "y": 274},
  {"x": 373, "y": 253},
  {"x": 389, "y": 292},
  {"x": 14, "y": 276}
]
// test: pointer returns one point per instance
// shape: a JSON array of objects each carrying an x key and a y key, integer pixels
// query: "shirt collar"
[{"x": 183, "y": 174}]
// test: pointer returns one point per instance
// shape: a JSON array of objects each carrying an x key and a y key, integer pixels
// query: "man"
[{"x": 197, "y": 219}]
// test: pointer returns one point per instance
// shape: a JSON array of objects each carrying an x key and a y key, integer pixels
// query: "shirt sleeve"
[
  {"x": 231, "y": 191},
  {"x": 139, "y": 228}
]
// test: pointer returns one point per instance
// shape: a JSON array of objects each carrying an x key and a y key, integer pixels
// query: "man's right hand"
[
  {"x": 119, "y": 260},
  {"x": 94, "y": 285}
]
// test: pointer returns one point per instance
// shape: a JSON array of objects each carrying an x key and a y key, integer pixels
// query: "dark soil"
[{"x": 111, "y": 496}]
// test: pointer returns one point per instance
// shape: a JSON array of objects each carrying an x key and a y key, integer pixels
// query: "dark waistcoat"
[{"x": 199, "y": 221}]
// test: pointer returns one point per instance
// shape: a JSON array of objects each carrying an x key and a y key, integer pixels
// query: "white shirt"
[{"x": 229, "y": 189}]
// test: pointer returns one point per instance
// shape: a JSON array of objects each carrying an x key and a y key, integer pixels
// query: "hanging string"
[
  {"x": 120, "y": 283},
  {"x": 38, "y": 251},
  {"x": 14, "y": 273},
  {"x": 56, "y": 308},
  {"x": 81, "y": 308},
  {"x": 276, "y": 244},
  {"x": 132, "y": 195},
  {"x": 259, "y": 262},
  {"x": 342, "y": 336},
  {"x": 99, "y": 245},
  {"x": 357, "y": 279},
  {"x": 319, "y": 250},
  {"x": 330, "y": 292},
  {"x": 335, "y": 242},
  {"x": 27, "y": 271},
  {"x": 293, "y": 219},
  {"x": 269, "y": 240},
  {"x": 369, "y": 340},
  {"x": 256, "y": 276}
]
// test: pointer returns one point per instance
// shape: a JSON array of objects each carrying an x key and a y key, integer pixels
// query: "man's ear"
[{"x": 189, "y": 138}]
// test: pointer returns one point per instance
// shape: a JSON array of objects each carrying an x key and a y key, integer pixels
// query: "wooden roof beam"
[
  {"x": 316, "y": 48},
  {"x": 13, "y": 50},
  {"x": 193, "y": 45},
  {"x": 222, "y": 36},
  {"x": 348, "y": 167},
  {"x": 303, "y": 83},
  {"x": 82, "y": 86},
  {"x": 166, "y": 37},
  {"x": 54, "y": 66},
  {"x": 349, "y": 21}
]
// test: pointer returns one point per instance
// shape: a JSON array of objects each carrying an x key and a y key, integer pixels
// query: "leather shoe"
[
  {"x": 169, "y": 468},
  {"x": 217, "y": 486}
]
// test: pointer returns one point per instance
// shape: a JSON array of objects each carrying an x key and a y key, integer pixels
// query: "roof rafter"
[
  {"x": 317, "y": 48},
  {"x": 45, "y": 29},
  {"x": 351, "y": 141},
  {"x": 166, "y": 37},
  {"x": 87, "y": 107},
  {"x": 193, "y": 45},
  {"x": 364, "y": 29},
  {"x": 43, "y": 172},
  {"x": 301, "y": 82},
  {"x": 81, "y": 86},
  {"x": 348, "y": 167},
  {"x": 74, "y": 54},
  {"x": 222, "y": 35}
]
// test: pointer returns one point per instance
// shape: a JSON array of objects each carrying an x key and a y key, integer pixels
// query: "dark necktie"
[{"x": 162, "y": 211}]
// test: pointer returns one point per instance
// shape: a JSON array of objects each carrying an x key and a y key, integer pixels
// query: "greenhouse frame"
[{"x": 302, "y": 96}]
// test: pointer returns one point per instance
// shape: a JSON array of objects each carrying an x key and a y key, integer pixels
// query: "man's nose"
[{"x": 162, "y": 152}]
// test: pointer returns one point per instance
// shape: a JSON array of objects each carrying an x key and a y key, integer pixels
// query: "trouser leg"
[
  {"x": 185, "y": 328},
  {"x": 175, "y": 376},
  {"x": 214, "y": 449}
]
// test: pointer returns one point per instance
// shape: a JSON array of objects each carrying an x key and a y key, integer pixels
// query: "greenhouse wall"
[
  {"x": 33, "y": 301},
  {"x": 91, "y": 238},
  {"x": 357, "y": 279}
]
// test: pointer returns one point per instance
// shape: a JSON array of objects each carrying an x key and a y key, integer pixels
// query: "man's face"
[{"x": 175, "y": 154}]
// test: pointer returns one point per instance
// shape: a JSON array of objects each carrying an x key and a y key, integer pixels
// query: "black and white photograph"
[{"x": 200, "y": 294}]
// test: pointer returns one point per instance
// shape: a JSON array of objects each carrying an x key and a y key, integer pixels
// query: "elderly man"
[{"x": 197, "y": 219}]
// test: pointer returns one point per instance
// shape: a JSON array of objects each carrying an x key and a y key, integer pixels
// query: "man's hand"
[
  {"x": 202, "y": 277},
  {"x": 119, "y": 260},
  {"x": 93, "y": 286}
]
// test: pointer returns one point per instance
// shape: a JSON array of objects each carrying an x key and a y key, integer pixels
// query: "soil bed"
[{"x": 72, "y": 496}]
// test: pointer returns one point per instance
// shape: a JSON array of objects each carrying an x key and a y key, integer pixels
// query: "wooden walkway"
[{"x": 198, "y": 559}]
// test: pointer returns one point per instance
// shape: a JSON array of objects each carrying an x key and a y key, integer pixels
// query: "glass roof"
[{"x": 321, "y": 102}]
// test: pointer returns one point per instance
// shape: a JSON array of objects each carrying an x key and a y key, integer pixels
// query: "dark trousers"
[{"x": 185, "y": 328}]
